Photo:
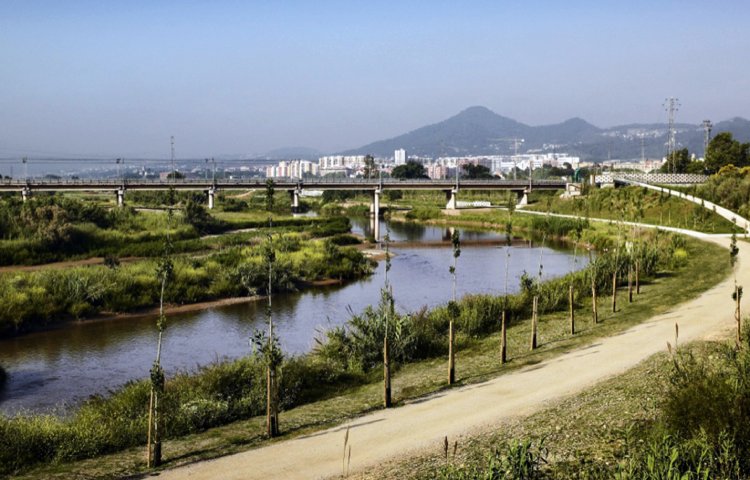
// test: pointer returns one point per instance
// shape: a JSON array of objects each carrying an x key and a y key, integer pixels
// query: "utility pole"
[
  {"x": 707, "y": 126},
  {"x": 171, "y": 140},
  {"x": 516, "y": 142},
  {"x": 671, "y": 105},
  {"x": 25, "y": 161}
]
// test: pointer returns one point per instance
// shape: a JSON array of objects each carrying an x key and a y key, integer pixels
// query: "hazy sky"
[{"x": 117, "y": 78}]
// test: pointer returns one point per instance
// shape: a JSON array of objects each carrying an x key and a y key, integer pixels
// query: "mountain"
[
  {"x": 476, "y": 130},
  {"x": 480, "y": 131}
]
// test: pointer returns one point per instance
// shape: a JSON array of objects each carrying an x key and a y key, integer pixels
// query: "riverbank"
[
  {"x": 477, "y": 361},
  {"x": 130, "y": 288},
  {"x": 422, "y": 426}
]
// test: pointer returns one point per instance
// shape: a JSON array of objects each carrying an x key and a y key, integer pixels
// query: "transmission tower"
[
  {"x": 707, "y": 126},
  {"x": 671, "y": 105}
]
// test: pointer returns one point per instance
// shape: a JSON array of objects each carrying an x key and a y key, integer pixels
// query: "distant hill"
[{"x": 480, "y": 131}]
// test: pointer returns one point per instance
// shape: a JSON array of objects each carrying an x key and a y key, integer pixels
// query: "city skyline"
[{"x": 90, "y": 79}]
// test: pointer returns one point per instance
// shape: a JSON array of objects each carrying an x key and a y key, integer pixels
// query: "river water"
[{"x": 52, "y": 370}]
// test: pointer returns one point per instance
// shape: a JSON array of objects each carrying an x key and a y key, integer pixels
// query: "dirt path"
[{"x": 424, "y": 423}]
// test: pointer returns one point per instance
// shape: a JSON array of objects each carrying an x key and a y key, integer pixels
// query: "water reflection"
[{"x": 68, "y": 364}]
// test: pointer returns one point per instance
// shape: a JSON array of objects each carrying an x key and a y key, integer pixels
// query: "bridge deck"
[{"x": 284, "y": 184}]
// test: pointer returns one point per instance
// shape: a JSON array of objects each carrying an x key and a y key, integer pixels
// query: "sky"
[{"x": 108, "y": 78}]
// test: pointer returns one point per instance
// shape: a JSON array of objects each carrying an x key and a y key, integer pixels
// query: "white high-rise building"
[{"x": 399, "y": 156}]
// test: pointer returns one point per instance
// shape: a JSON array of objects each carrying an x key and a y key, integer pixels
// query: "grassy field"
[
  {"x": 635, "y": 204},
  {"x": 597, "y": 426},
  {"x": 478, "y": 360}
]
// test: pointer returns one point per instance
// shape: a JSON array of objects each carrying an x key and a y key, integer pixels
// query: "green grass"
[
  {"x": 635, "y": 204},
  {"x": 478, "y": 360}
]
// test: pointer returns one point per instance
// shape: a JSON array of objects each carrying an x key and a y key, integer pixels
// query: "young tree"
[
  {"x": 269, "y": 194},
  {"x": 387, "y": 298},
  {"x": 266, "y": 346},
  {"x": 508, "y": 244},
  {"x": 453, "y": 309},
  {"x": 165, "y": 274}
]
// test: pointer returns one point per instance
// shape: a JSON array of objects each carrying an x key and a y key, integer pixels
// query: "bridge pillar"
[
  {"x": 120, "y": 192},
  {"x": 523, "y": 197},
  {"x": 375, "y": 214},
  {"x": 25, "y": 193},
  {"x": 451, "y": 197},
  {"x": 211, "y": 197},
  {"x": 295, "y": 199}
]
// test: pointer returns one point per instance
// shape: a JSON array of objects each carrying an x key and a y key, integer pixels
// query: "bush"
[{"x": 423, "y": 213}]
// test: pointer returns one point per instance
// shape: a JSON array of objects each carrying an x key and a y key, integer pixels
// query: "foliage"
[
  {"x": 412, "y": 169},
  {"x": 559, "y": 226},
  {"x": 680, "y": 162},
  {"x": 217, "y": 394},
  {"x": 730, "y": 189},
  {"x": 269, "y": 195},
  {"x": 423, "y": 213},
  {"x": 474, "y": 172},
  {"x": 724, "y": 150},
  {"x": 520, "y": 460},
  {"x": 32, "y": 299}
]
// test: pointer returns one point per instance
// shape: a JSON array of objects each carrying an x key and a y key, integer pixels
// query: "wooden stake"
[
  {"x": 149, "y": 451},
  {"x": 503, "y": 341},
  {"x": 451, "y": 356},
  {"x": 630, "y": 284},
  {"x": 595, "y": 313},
  {"x": 572, "y": 311},
  {"x": 614, "y": 292},
  {"x": 637, "y": 277},
  {"x": 737, "y": 316},
  {"x": 386, "y": 375},
  {"x": 533, "y": 322}
]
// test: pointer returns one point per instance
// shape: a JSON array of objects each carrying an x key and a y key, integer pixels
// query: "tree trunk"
[
  {"x": 534, "y": 321},
  {"x": 572, "y": 311},
  {"x": 614, "y": 292},
  {"x": 503, "y": 341},
  {"x": 451, "y": 356},
  {"x": 630, "y": 284},
  {"x": 386, "y": 375}
]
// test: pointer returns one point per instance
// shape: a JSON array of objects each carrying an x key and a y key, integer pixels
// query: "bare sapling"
[
  {"x": 453, "y": 309},
  {"x": 388, "y": 293},
  {"x": 508, "y": 245},
  {"x": 737, "y": 293},
  {"x": 164, "y": 274}
]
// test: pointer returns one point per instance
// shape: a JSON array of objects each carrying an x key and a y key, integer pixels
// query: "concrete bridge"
[{"x": 293, "y": 186}]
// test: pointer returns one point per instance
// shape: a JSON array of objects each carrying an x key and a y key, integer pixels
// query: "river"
[{"x": 52, "y": 370}]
